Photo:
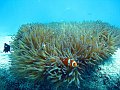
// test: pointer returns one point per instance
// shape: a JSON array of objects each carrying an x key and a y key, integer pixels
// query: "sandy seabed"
[{"x": 4, "y": 57}]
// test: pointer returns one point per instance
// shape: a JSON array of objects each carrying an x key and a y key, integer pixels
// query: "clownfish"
[{"x": 69, "y": 62}]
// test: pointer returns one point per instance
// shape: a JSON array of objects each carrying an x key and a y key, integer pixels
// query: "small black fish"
[{"x": 6, "y": 48}]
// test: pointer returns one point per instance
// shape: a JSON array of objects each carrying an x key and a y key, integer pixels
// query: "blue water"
[{"x": 14, "y": 13}]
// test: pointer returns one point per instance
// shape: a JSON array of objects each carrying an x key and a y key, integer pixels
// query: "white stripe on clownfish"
[{"x": 69, "y": 62}]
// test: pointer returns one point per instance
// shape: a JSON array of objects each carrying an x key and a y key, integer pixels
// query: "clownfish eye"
[{"x": 74, "y": 64}]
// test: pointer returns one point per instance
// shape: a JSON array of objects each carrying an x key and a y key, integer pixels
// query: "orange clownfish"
[{"x": 69, "y": 62}]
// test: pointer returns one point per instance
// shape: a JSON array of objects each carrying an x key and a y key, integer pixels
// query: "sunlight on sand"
[
  {"x": 4, "y": 58},
  {"x": 112, "y": 67}
]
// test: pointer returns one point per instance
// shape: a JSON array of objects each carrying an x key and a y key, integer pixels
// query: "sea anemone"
[{"x": 39, "y": 49}]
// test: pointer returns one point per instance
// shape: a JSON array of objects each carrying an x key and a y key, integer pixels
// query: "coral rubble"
[{"x": 39, "y": 49}]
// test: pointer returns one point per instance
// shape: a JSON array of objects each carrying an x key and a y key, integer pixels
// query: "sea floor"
[{"x": 4, "y": 58}]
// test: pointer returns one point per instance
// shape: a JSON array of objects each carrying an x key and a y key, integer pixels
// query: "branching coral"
[{"x": 39, "y": 49}]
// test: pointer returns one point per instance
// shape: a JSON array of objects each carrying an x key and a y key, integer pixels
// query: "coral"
[{"x": 39, "y": 48}]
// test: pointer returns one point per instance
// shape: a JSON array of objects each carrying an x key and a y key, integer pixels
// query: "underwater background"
[{"x": 17, "y": 17}]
